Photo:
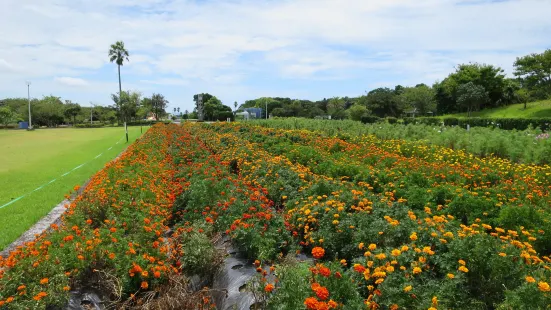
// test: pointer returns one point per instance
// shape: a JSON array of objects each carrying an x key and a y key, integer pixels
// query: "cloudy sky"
[{"x": 244, "y": 49}]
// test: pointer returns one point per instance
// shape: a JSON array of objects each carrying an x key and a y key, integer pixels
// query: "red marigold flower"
[
  {"x": 324, "y": 271},
  {"x": 318, "y": 252}
]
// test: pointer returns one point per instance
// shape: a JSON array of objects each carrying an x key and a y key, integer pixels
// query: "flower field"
[{"x": 387, "y": 224}]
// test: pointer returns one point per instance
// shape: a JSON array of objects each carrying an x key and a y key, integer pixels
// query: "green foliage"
[
  {"x": 490, "y": 78},
  {"x": 7, "y": 116},
  {"x": 157, "y": 105},
  {"x": 71, "y": 110},
  {"x": 357, "y": 111},
  {"x": 534, "y": 70},
  {"x": 471, "y": 97},
  {"x": 384, "y": 102},
  {"x": 200, "y": 253},
  {"x": 422, "y": 98}
]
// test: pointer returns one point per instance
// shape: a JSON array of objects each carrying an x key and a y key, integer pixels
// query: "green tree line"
[
  {"x": 471, "y": 87},
  {"x": 52, "y": 111}
]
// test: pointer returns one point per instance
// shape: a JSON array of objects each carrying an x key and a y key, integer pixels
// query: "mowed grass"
[
  {"x": 533, "y": 110},
  {"x": 30, "y": 159}
]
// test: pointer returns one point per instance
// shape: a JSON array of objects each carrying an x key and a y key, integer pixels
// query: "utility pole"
[
  {"x": 29, "y": 99},
  {"x": 266, "y": 101}
]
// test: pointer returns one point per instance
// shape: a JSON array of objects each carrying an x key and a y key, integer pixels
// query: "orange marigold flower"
[
  {"x": 157, "y": 274},
  {"x": 311, "y": 303},
  {"x": 417, "y": 270},
  {"x": 44, "y": 281},
  {"x": 88, "y": 221},
  {"x": 544, "y": 286},
  {"x": 40, "y": 295},
  {"x": 9, "y": 299},
  {"x": 324, "y": 271},
  {"x": 463, "y": 269},
  {"x": 318, "y": 252},
  {"x": 332, "y": 304},
  {"x": 322, "y": 292},
  {"x": 372, "y": 247},
  {"x": 112, "y": 255},
  {"x": 66, "y": 288},
  {"x": 269, "y": 288},
  {"x": 144, "y": 285},
  {"x": 530, "y": 279},
  {"x": 145, "y": 274},
  {"x": 21, "y": 287},
  {"x": 450, "y": 275},
  {"x": 112, "y": 229}
]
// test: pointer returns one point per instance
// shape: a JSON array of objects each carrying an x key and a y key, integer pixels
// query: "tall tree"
[
  {"x": 336, "y": 107},
  {"x": 491, "y": 78},
  {"x": 422, "y": 98},
  {"x": 117, "y": 54},
  {"x": 71, "y": 110},
  {"x": 7, "y": 116},
  {"x": 383, "y": 102},
  {"x": 158, "y": 105},
  {"x": 535, "y": 71},
  {"x": 471, "y": 96}
]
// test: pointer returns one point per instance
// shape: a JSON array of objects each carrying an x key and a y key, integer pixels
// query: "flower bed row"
[
  {"x": 381, "y": 252},
  {"x": 466, "y": 188},
  {"x": 111, "y": 238}
]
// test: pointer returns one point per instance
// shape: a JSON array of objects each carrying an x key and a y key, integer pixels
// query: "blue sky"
[{"x": 244, "y": 49}]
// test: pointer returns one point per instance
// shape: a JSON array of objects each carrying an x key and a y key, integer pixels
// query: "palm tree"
[{"x": 117, "y": 54}]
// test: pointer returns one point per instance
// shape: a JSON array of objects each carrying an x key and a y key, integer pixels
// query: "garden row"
[
  {"x": 526, "y": 146},
  {"x": 114, "y": 239},
  {"x": 501, "y": 123},
  {"x": 373, "y": 247}
]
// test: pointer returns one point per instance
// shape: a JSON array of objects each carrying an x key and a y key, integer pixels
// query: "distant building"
[{"x": 254, "y": 112}]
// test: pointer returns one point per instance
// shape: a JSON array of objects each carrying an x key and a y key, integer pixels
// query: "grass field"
[
  {"x": 533, "y": 110},
  {"x": 33, "y": 159}
]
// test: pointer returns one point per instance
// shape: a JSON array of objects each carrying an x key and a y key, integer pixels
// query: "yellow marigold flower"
[
  {"x": 544, "y": 286},
  {"x": 413, "y": 236},
  {"x": 451, "y": 275},
  {"x": 432, "y": 308},
  {"x": 407, "y": 288},
  {"x": 343, "y": 262},
  {"x": 372, "y": 247},
  {"x": 417, "y": 270},
  {"x": 381, "y": 256},
  {"x": 461, "y": 262},
  {"x": 502, "y": 254},
  {"x": 463, "y": 269},
  {"x": 396, "y": 252},
  {"x": 405, "y": 248},
  {"x": 530, "y": 279},
  {"x": 361, "y": 246},
  {"x": 434, "y": 301}
]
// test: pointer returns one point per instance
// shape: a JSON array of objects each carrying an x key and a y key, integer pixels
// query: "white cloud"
[
  {"x": 71, "y": 81},
  {"x": 232, "y": 47}
]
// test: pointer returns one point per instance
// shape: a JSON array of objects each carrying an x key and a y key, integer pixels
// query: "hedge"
[{"x": 502, "y": 123}]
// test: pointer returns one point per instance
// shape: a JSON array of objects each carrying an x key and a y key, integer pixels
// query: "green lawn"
[
  {"x": 533, "y": 110},
  {"x": 30, "y": 159}
]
